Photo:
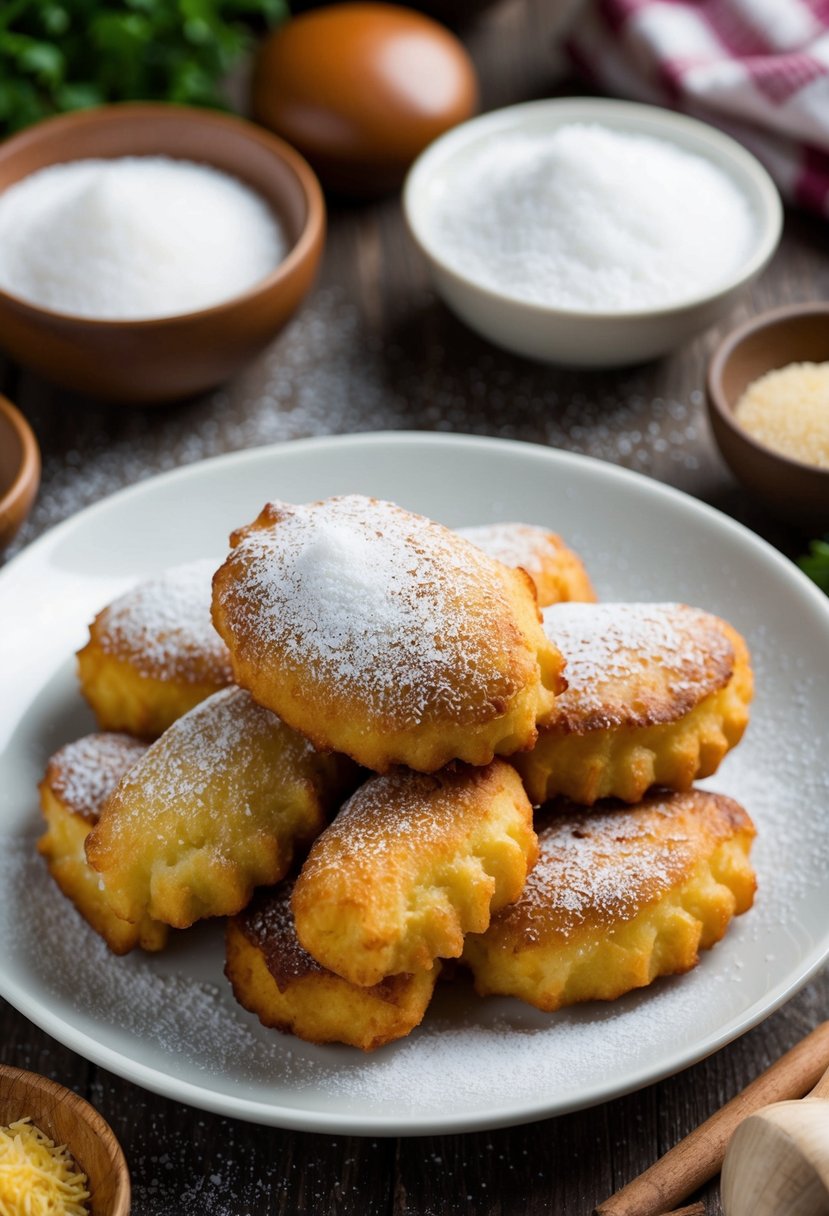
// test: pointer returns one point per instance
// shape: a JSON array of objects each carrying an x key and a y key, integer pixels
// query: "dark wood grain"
[{"x": 374, "y": 349}]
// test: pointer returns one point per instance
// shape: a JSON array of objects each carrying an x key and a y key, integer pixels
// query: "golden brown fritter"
[
  {"x": 217, "y": 806},
  {"x": 557, "y": 571},
  {"x": 657, "y": 694},
  {"x": 79, "y": 778},
  {"x": 410, "y": 864},
  {"x": 385, "y": 636},
  {"x": 619, "y": 896},
  {"x": 153, "y": 653},
  {"x": 275, "y": 978}
]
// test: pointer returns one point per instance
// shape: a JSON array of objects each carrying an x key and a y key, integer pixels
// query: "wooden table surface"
[{"x": 373, "y": 349}]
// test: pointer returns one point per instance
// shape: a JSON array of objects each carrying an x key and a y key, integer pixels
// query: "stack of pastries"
[{"x": 375, "y": 744}]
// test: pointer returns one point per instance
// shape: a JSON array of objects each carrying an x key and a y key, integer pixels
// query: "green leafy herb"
[
  {"x": 816, "y": 563},
  {"x": 68, "y": 54}
]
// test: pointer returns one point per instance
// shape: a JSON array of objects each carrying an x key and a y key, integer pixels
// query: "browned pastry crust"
[
  {"x": 619, "y": 895},
  {"x": 411, "y": 864},
  {"x": 275, "y": 978},
  {"x": 556, "y": 570},
  {"x": 385, "y": 636},
  {"x": 218, "y": 805},
  {"x": 78, "y": 780},
  {"x": 657, "y": 695},
  {"x": 153, "y": 654}
]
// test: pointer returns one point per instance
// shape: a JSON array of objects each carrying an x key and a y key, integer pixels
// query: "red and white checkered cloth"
[{"x": 759, "y": 69}]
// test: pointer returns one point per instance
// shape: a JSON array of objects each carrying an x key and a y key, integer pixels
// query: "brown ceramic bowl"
[
  {"x": 19, "y": 470},
  {"x": 170, "y": 357},
  {"x": 796, "y": 334},
  {"x": 70, "y": 1120}
]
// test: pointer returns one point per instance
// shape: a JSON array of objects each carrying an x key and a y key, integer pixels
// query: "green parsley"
[
  {"x": 60, "y": 55},
  {"x": 816, "y": 563}
]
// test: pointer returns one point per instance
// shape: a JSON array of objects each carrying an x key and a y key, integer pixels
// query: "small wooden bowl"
[
  {"x": 70, "y": 1120},
  {"x": 19, "y": 470},
  {"x": 169, "y": 357},
  {"x": 798, "y": 333}
]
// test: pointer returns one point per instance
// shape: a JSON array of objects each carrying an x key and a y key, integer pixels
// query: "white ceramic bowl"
[{"x": 585, "y": 337}]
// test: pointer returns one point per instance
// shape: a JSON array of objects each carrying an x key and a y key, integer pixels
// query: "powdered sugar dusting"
[
  {"x": 366, "y": 596},
  {"x": 217, "y": 749},
  {"x": 603, "y": 864},
  {"x": 164, "y": 629},
  {"x": 605, "y": 646},
  {"x": 171, "y": 1012},
  {"x": 399, "y": 815},
  {"x": 513, "y": 544},
  {"x": 83, "y": 774}
]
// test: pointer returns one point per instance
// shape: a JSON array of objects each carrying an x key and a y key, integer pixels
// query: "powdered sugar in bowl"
[{"x": 590, "y": 232}]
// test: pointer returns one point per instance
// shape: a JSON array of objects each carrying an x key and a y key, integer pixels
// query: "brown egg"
[{"x": 361, "y": 89}]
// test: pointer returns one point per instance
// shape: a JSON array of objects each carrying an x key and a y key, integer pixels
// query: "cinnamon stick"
[
  {"x": 693, "y": 1209},
  {"x": 698, "y": 1157}
]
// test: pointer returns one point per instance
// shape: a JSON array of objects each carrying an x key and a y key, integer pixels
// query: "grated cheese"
[
  {"x": 788, "y": 410},
  {"x": 37, "y": 1177}
]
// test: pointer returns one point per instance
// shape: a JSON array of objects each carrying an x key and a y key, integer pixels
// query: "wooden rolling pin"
[
  {"x": 697, "y": 1158},
  {"x": 777, "y": 1161}
]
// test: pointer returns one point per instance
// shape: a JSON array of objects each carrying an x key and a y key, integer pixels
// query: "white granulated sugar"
[
  {"x": 366, "y": 595},
  {"x": 586, "y": 217},
  {"x": 134, "y": 238},
  {"x": 163, "y": 626}
]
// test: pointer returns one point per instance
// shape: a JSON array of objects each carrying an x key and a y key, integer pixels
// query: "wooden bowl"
[
  {"x": 796, "y": 334},
  {"x": 19, "y": 470},
  {"x": 70, "y": 1120},
  {"x": 170, "y": 357}
]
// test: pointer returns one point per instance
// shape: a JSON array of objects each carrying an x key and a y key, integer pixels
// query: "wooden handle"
[
  {"x": 821, "y": 1090},
  {"x": 699, "y": 1156}
]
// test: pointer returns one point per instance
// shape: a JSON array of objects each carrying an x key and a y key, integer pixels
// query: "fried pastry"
[
  {"x": 385, "y": 636},
  {"x": 275, "y": 978},
  {"x": 217, "y": 806},
  {"x": 153, "y": 653},
  {"x": 618, "y": 897},
  {"x": 79, "y": 778},
  {"x": 658, "y": 693},
  {"x": 411, "y": 863},
  {"x": 557, "y": 572}
]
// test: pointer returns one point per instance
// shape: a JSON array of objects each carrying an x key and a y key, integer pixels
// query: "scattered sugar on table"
[{"x": 134, "y": 238}]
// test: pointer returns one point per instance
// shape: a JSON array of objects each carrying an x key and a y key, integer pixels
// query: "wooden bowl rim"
[
  {"x": 113, "y": 114},
  {"x": 717, "y": 400},
  {"x": 27, "y": 478},
  {"x": 85, "y": 1111}
]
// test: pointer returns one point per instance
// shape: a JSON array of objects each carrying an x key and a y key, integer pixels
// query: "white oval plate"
[{"x": 170, "y": 1024}]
